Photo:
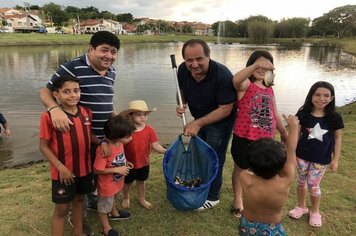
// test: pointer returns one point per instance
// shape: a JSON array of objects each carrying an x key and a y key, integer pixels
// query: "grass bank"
[
  {"x": 33, "y": 39},
  {"x": 26, "y": 208}
]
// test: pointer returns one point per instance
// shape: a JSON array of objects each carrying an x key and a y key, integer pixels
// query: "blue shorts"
[{"x": 254, "y": 228}]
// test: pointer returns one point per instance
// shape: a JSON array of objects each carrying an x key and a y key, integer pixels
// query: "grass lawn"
[{"x": 26, "y": 207}]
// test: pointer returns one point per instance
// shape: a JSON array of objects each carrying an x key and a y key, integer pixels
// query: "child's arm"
[
  {"x": 158, "y": 148},
  {"x": 122, "y": 170},
  {"x": 279, "y": 125},
  {"x": 292, "y": 141},
  {"x": 337, "y": 149},
  {"x": 60, "y": 119},
  {"x": 240, "y": 80},
  {"x": 7, "y": 130},
  {"x": 65, "y": 175}
]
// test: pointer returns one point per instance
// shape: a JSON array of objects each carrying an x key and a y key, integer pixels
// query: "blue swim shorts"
[{"x": 254, "y": 228}]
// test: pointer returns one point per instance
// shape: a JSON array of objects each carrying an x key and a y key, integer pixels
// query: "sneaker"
[
  {"x": 123, "y": 215},
  {"x": 86, "y": 227},
  {"x": 208, "y": 204}
]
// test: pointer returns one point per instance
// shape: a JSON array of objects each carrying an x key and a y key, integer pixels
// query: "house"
[
  {"x": 91, "y": 26},
  {"x": 201, "y": 29},
  {"x": 17, "y": 19},
  {"x": 128, "y": 28}
]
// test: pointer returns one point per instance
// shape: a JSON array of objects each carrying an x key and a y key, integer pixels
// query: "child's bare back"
[
  {"x": 266, "y": 185},
  {"x": 264, "y": 198}
]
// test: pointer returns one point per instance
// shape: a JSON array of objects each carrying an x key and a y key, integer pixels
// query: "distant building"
[
  {"x": 128, "y": 28},
  {"x": 91, "y": 26},
  {"x": 16, "y": 19}
]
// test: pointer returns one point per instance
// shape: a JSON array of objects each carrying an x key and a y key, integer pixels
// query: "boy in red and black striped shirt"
[{"x": 69, "y": 155}]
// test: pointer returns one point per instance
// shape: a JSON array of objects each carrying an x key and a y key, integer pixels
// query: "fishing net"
[{"x": 189, "y": 172}]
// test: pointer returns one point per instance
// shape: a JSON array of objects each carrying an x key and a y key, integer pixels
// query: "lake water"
[{"x": 144, "y": 72}]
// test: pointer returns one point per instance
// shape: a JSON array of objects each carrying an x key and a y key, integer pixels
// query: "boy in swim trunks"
[{"x": 266, "y": 184}]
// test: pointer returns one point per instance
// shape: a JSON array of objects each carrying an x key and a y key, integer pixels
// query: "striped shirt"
[
  {"x": 97, "y": 92},
  {"x": 71, "y": 148}
]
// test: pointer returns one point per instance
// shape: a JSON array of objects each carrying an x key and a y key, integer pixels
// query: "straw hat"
[{"x": 136, "y": 105}]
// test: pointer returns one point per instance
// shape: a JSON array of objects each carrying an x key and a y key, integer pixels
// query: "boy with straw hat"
[{"x": 138, "y": 150}]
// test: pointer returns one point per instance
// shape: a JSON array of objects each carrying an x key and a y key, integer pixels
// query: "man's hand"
[
  {"x": 105, "y": 149},
  {"x": 60, "y": 120},
  {"x": 191, "y": 129},
  {"x": 181, "y": 110}
]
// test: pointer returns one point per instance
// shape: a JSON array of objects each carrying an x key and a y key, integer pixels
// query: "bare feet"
[
  {"x": 125, "y": 203},
  {"x": 146, "y": 204}
]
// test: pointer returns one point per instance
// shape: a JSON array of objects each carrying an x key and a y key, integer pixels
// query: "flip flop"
[
  {"x": 236, "y": 212},
  {"x": 315, "y": 219},
  {"x": 298, "y": 212}
]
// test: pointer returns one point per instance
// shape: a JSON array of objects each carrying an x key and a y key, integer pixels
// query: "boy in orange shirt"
[{"x": 112, "y": 171}]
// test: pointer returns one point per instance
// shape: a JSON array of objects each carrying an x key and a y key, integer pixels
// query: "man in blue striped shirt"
[{"x": 97, "y": 77}]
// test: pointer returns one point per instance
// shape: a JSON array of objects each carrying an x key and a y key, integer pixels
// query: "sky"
[{"x": 206, "y": 11}]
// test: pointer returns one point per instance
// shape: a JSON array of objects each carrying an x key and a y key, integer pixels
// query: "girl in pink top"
[{"x": 257, "y": 115}]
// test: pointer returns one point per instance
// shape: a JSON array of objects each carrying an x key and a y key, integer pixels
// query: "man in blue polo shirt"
[
  {"x": 97, "y": 77},
  {"x": 207, "y": 89}
]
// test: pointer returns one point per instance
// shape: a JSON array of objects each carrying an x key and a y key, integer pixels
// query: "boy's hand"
[
  {"x": 291, "y": 120},
  {"x": 66, "y": 177},
  {"x": 122, "y": 170},
  {"x": 7, "y": 133},
  {"x": 129, "y": 164}
]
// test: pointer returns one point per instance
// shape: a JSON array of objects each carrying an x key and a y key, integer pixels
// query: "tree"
[
  {"x": 342, "y": 18},
  {"x": 187, "y": 29},
  {"x": 225, "y": 29},
  {"x": 34, "y": 7},
  {"x": 242, "y": 25},
  {"x": 320, "y": 27},
  {"x": 296, "y": 27},
  {"x": 107, "y": 15},
  {"x": 57, "y": 14},
  {"x": 260, "y": 31},
  {"x": 18, "y": 7},
  {"x": 126, "y": 17}
]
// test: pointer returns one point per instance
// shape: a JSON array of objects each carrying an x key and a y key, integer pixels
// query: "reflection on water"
[{"x": 144, "y": 72}]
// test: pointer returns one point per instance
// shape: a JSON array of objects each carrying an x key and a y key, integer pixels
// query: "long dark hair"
[
  {"x": 330, "y": 109},
  {"x": 256, "y": 55}
]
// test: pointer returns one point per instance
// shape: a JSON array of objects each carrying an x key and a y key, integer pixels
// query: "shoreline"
[{"x": 348, "y": 45}]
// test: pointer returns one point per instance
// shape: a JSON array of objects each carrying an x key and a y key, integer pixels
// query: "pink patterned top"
[{"x": 256, "y": 114}]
